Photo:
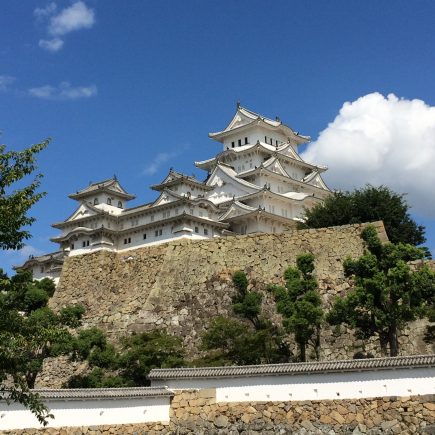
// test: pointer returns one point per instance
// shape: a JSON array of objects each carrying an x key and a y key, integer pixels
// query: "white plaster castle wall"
[
  {"x": 38, "y": 275},
  {"x": 325, "y": 386},
  {"x": 88, "y": 412}
]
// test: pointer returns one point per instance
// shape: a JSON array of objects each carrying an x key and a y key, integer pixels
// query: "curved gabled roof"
[
  {"x": 111, "y": 185},
  {"x": 245, "y": 117},
  {"x": 271, "y": 150},
  {"x": 174, "y": 178},
  {"x": 230, "y": 172},
  {"x": 84, "y": 206}
]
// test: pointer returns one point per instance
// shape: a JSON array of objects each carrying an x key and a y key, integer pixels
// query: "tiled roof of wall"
[
  {"x": 102, "y": 393},
  {"x": 296, "y": 368}
]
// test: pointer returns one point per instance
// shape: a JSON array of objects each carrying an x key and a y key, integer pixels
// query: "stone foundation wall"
[
  {"x": 181, "y": 285},
  {"x": 196, "y": 412}
]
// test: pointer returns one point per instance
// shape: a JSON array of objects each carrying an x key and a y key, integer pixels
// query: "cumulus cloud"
[
  {"x": 77, "y": 16},
  {"x": 5, "y": 82},
  {"x": 63, "y": 92},
  {"x": 53, "y": 45},
  {"x": 47, "y": 10},
  {"x": 381, "y": 140}
]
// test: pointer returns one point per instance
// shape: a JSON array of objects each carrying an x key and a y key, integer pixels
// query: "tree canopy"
[
  {"x": 251, "y": 340},
  {"x": 387, "y": 293},
  {"x": 29, "y": 333},
  {"x": 16, "y": 203},
  {"x": 16, "y": 330},
  {"x": 368, "y": 204},
  {"x": 300, "y": 305},
  {"x": 129, "y": 366}
]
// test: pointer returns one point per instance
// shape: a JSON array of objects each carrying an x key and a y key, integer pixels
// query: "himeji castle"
[{"x": 256, "y": 183}]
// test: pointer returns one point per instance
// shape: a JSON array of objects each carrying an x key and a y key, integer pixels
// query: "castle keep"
[{"x": 258, "y": 183}]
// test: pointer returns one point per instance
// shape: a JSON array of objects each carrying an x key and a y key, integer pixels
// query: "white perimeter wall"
[
  {"x": 347, "y": 385},
  {"x": 88, "y": 412}
]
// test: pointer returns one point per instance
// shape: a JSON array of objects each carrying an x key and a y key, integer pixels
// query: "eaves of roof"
[
  {"x": 86, "y": 194},
  {"x": 262, "y": 214},
  {"x": 354, "y": 365},
  {"x": 101, "y": 393},
  {"x": 293, "y": 180},
  {"x": 180, "y": 180}
]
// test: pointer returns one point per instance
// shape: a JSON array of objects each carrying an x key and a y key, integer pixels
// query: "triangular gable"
[
  {"x": 288, "y": 150},
  {"x": 172, "y": 175},
  {"x": 236, "y": 209},
  {"x": 240, "y": 118},
  {"x": 84, "y": 210},
  {"x": 314, "y": 179},
  {"x": 222, "y": 175},
  {"x": 226, "y": 185},
  {"x": 115, "y": 186},
  {"x": 274, "y": 165},
  {"x": 166, "y": 197}
]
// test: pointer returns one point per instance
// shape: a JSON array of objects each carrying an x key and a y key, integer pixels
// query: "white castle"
[{"x": 257, "y": 183}]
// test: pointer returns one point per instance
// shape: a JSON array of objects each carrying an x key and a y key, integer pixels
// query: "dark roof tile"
[{"x": 296, "y": 368}]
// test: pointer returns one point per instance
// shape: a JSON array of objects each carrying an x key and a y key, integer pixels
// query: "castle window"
[
  {"x": 239, "y": 142},
  {"x": 246, "y": 141},
  {"x": 109, "y": 201},
  {"x": 72, "y": 246},
  {"x": 119, "y": 204},
  {"x": 265, "y": 139},
  {"x": 196, "y": 230},
  {"x": 205, "y": 232},
  {"x": 85, "y": 243},
  {"x": 232, "y": 144},
  {"x": 127, "y": 240},
  {"x": 156, "y": 233},
  {"x": 271, "y": 141},
  {"x": 276, "y": 143},
  {"x": 96, "y": 201},
  {"x": 160, "y": 232},
  {"x": 144, "y": 236},
  {"x": 42, "y": 269}
]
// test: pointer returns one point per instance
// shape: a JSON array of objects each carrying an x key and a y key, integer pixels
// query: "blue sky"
[{"x": 133, "y": 88}]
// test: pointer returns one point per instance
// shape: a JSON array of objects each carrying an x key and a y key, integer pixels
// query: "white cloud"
[
  {"x": 75, "y": 17},
  {"x": 48, "y": 10},
  {"x": 5, "y": 81},
  {"x": 381, "y": 140},
  {"x": 161, "y": 158},
  {"x": 52, "y": 45},
  {"x": 63, "y": 92}
]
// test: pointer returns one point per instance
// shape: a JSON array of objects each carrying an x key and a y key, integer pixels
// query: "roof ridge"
[{"x": 295, "y": 368}]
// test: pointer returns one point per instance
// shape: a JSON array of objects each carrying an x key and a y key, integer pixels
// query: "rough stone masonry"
[{"x": 181, "y": 285}]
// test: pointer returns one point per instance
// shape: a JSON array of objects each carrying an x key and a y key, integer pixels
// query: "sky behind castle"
[{"x": 133, "y": 88}]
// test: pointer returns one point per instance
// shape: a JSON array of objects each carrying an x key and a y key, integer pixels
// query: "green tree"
[
  {"x": 16, "y": 203},
  {"x": 368, "y": 204},
  {"x": 143, "y": 352},
  {"x": 130, "y": 364},
  {"x": 387, "y": 294},
  {"x": 15, "y": 167},
  {"x": 29, "y": 333},
  {"x": 232, "y": 341},
  {"x": 300, "y": 305}
]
